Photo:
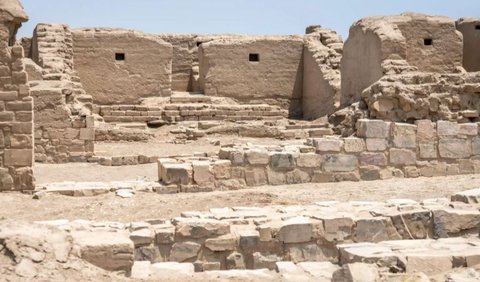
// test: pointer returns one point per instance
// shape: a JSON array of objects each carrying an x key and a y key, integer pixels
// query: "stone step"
[
  {"x": 178, "y": 97},
  {"x": 133, "y": 125}
]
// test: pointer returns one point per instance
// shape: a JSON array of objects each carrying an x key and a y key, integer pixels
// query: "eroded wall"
[
  {"x": 144, "y": 71},
  {"x": 470, "y": 28},
  {"x": 321, "y": 73},
  {"x": 276, "y": 78},
  {"x": 427, "y": 43},
  {"x": 16, "y": 115}
]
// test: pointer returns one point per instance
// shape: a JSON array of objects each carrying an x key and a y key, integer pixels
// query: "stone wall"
[
  {"x": 321, "y": 73},
  {"x": 429, "y": 43},
  {"x": 381, "y": 150},
  {"x": 16, "y": 105},
  {"x": 254, "y": 70},
  {"x": 64, "y": 126},
  {"x": 415, "y": 95},
  {"x": 122, "y": 66},
  {"x": 470, "y": 28}
]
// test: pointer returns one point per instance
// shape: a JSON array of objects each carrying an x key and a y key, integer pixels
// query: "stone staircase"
[{"x": 190, "y": 107}]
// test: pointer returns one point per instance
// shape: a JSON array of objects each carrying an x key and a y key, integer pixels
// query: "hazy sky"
[{"x": 230, "y": 16}]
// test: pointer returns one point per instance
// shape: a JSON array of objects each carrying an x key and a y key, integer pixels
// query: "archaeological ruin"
[{"x": 130, "y": 156}]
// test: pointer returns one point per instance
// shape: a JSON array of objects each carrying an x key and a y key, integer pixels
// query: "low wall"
[{"x": 380, "y": 150}]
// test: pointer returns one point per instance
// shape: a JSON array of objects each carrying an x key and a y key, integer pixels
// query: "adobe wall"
[
  {"x": 185, "y": 58},
  {"x": 16, "y": 105},
  {"x": 145, "y": 71},
  {"x": 64, "y": 125},
  {"x": 470, "y": 28},
  {"x": 428, "y": 43},
  {"x": 321, "y": 73},
  {"x": 276, "y": 79}
]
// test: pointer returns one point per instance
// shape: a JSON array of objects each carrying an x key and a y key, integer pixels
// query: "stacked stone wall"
[
  {"x": 16, "y": 118},
  {"x": 380, "y": 150}
]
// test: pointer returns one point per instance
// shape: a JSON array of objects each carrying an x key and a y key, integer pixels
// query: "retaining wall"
[{"x": 380, "y": 150}]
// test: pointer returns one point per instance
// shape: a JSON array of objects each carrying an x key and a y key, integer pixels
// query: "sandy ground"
[
  {"x": 151, "y": 206},
  {"x": 164, "y": 149}
]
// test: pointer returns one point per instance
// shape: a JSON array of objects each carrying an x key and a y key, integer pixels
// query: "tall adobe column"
[{"x": 16, "y": 105}]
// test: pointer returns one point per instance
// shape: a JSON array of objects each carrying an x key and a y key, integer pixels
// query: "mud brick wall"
[
  {"x": 64, "y": 126},
  {"x": 16, "y": 118},
  {"x": 380, "y": 150}
]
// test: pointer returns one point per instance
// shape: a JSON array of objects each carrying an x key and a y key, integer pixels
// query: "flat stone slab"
[
  {"x": 469, "y": 196},
  {"x": 87, "y": 189}
]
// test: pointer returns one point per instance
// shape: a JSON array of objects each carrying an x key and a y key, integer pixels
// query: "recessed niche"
[
  {"x": 477, "y": 27},
  {"x": 119, "y": 56},
  {"x": 199, "y": 43},
  {"x": 254, "y": 57},
  {"x": 428, "y": 42}
]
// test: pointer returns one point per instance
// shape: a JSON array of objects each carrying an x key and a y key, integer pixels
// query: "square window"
[
  {"x": 427, "y": 41},
  {"x": 199, "y": 43},
  {"x": 254, "y": 57},
  {"x": 477, "y": 27},
  {"x": 119, "y": 56}
]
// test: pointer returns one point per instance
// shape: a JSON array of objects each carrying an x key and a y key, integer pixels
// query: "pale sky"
[{"x": 230, "y": 16}]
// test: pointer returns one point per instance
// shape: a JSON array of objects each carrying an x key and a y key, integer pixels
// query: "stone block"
[
  {"x": 402, "y": 157},
  {"x": 168, "y": 269},
  {"x": 183, "y": 251},
  {"x": 427, "y": 150},
  {"x": 222, "y": 169},
  {"x": 429, "y": 264},
  {"x": 447, "y": 128},
  {"x": 297, "y": 176},
  {"x": 370, "y": 172},
  {"x": 142, "y": 237},
  {"x": 295, "y": 230},
  {"x": 371, "y": 230},
  {"x": 327, "y": 144},
  {"x": 476, "y": 146},
  {"x": 337, "y": 229},
  {"x": 226, "y": 242},
  {"x": 202, "y": 174},
  {"x": 257, "y": 157},
  {"x": 112, "y": 251},
  {"x": 309, "y": 160},
  {"x": 357, "y": 272},
  {"x": 340, "y": 163},
  {"x": 282, "y": 161},
  {"x": 255, "y": 176},
  {"x": 201, "y": 228},
  {"x": 376, "y": 159},
  {"x": 20, "y": 141},
  {"x": 376, "y": 144},
  {"x": 275, "y": 177},
  {"x": 141, "y": 270},
  {"x": 468, "y": 129},
  {"x": 454, "y": 148},
  {"x": 354, "y": 145},
  {"x": 404, "y": 136},
  {"x": 454, "y": 223},
  {"x": 177, "y": 173},
  {"x": 372, "y": 128},
  {"x": 260, "y": 261},
  {"x": 425, "y": 130},
  {"x": 164, "y": 234},
  {"x": 18, "y": 157}
]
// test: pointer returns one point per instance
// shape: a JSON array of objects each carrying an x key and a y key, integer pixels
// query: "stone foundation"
[{"x": 380, "y": 150}]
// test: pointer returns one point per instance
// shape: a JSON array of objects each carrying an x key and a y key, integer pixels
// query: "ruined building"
[{"x": 400, "y": 98}]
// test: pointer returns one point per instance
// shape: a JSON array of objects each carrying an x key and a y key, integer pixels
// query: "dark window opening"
[
  {"x": 427, "y": 41},
  {"x": 477, "y": 27},
  {"x": 120, "y": 56},
  {"x": 254, "y": 57},
  {"x": 199, "y": 43}
]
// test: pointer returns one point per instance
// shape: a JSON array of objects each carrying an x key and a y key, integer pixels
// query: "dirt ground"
[{"x": 152, "y": 206}]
